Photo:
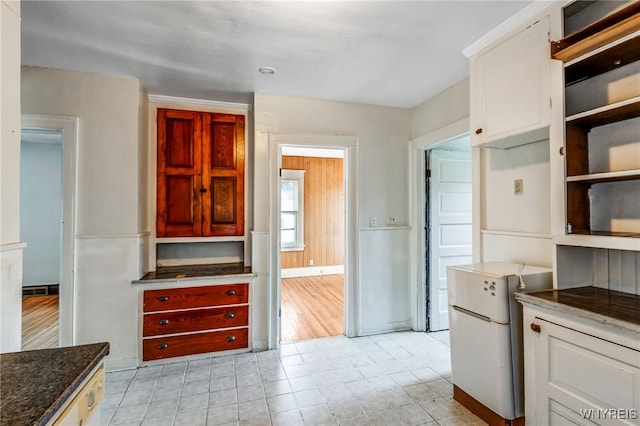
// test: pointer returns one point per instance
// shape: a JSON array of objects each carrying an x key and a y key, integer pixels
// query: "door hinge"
[
  {"x": 428, "y": 171},
  {"x": 280, "y": 312},
  {"x": 280, "y": 171}
]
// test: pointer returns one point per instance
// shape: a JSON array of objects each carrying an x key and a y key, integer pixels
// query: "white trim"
[
  {"x": 312, "y": 152},
  {"x": 386, "y": 228},
  {"x": 511, "y": 24},
  {"x": 516, "y": 234},
  {"x": 199, "y": 102},
  {"x": 120, "y": 236},
  {"x": 349, "y": 146},
  {"x": 312, "y": 271},
  {"x": 70, "y": 134},
  {"x": 442, "y": 134},
  {"x": 12, "y": 246},
  {"x": 298, "y": 177}
]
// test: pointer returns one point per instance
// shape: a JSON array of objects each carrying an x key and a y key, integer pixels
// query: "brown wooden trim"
[
  {"x": 480, "y": 410},
  {"x": 619, "y": 24}
]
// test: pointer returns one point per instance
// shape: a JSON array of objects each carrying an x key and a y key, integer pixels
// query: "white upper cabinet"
[{"x": 510, "y": 89}]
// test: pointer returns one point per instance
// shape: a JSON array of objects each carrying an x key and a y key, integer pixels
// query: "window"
[{"x": 292, "y": 210}]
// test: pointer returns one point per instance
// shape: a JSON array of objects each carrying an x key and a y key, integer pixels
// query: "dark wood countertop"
[
  {"x": 606, "y": 306},
  {"x": 186, "y": 272},
  {"x": 34, "y": 385}
]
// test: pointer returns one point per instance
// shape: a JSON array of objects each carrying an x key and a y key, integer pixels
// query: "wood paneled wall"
[{"x": 323, "y": 212}]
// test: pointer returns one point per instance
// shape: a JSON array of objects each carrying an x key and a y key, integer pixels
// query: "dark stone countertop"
[
  {"x": 34, "y": 385},
  {"x": 195, "y": 272},
  {"x": 598, "y": 304}
]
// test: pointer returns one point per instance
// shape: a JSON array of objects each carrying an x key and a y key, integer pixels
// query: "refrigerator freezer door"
[
  {"x": 486, "y": 295},
  {"x": 481, "y": 361}
]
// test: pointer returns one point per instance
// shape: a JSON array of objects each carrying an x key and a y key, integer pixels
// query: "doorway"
[
  {"x": 47, "y": 180},
  {"x": 311, "y": 243},
  {"x": 448, "y": 231},
  {"x": 348, "y": 146}
]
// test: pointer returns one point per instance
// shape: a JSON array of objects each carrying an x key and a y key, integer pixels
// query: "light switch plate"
[{"x": 518, "y": 186}]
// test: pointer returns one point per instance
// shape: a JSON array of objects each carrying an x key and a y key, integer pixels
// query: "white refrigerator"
[{"x": 485, "y": 326}]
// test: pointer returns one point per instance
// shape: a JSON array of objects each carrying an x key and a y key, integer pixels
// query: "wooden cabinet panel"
[
  {"x": 195, "y": 320},
  {"x": 200, "y": 179},
  {"x": 191, "y": 344},
  {"x": 195, "y": 297}
]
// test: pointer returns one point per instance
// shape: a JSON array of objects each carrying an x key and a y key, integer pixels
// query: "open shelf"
[
  {"x": 615, "y": 55},
  {"x": 623, "y": 110},
  {"x": 612, "y": 27},
  {"x": 606, "y": 233},
  {"x": 606, "y": 177}
]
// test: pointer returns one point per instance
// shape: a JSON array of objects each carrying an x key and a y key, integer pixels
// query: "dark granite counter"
[
  {"x": 34, "y": 385},
  {"x": 195, "y": 272},
  {"x": 601, "y": 305}
]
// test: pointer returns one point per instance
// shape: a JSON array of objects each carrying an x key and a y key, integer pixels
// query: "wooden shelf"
[
  {"x": 619, "y": 111},
  {"x": 606, "y": 177},
  {"x": 606, "y": 233},
  {"x": 610, "y": 28},
  {"x": 615, "y": 55}
]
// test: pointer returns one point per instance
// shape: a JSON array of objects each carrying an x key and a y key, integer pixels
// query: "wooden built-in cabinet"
[
  {"x": 194, "y": 320},
  {"x": 510, "y": 90},
  {"x": 602, "y": 122},
  {"x": 200, "y": 174}
]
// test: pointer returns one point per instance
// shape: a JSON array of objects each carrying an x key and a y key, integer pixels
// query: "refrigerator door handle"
[{"x": 471, "y": 313}]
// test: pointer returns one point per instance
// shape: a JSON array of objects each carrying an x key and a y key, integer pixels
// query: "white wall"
[
  {"x": 10, "y": 246},
  {"x": 41, "y": 211},
  {"x": 109, "y": 244},
  {"x": 382, "y": 135},
  {"x": 447, "y": 107}
]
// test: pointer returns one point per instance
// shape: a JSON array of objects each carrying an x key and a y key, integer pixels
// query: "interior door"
[{"x": 449, "y": 229}]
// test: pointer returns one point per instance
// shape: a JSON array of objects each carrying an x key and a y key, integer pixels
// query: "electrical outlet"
[
  {"x": 518, "y": 187},
  {"x": 310, "y": 262},
  {"x": 392, "y": 220},
  {"x": 373, "y": 221}
]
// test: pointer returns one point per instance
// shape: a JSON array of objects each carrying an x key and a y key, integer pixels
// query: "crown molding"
[
  {"x": 199, "y": 102},
  {"x": 512, "y": 23}
]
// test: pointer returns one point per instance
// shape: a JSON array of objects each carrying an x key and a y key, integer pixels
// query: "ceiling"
[{"x": 390, "y": 53}]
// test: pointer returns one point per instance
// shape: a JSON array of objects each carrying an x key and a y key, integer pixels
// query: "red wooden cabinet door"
[
  {"x": 179, "y": 174},
  {"x": 223, "y": 174},
  {"x": 200, "y": 185}
]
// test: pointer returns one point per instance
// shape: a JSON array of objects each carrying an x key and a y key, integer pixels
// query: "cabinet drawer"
[
  {"x": 168, "y": 347},
  {"x": 195, "y": 320},
  {"x": 195, "y": 297}
]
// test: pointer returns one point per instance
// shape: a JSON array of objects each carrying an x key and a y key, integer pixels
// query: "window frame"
[{"x": 290, "y": 175}]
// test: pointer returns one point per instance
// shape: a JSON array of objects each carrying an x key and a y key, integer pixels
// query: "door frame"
[
  {"x": 69, "y": 128},
  {"x": 349, "y": 145},
  {"x": 417, "y": 201}
]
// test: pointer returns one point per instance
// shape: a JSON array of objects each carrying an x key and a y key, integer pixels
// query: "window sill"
[{"x": 296, "y": 248}]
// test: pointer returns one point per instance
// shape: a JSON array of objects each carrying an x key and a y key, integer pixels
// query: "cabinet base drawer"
[
  {"x": 191, "y": 344},
  {"x": 195, "y": 320},
  {"x": 195, "y": 297}
]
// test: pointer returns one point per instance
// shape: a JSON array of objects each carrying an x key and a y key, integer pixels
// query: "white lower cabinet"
[{"x": 579, "y": 374}]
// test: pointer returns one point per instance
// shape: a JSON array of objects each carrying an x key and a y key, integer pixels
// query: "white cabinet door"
[
  {"x": 581, "y": 379},
  {"x": 510, "y": 91}
]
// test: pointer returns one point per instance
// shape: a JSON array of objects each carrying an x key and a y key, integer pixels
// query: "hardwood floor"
[
  {"x": 312, "y": 307},
  {"x": 39, "y": 322}
]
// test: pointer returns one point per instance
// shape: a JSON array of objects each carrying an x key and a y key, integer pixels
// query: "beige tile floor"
[{"x": 390, "y": 379}]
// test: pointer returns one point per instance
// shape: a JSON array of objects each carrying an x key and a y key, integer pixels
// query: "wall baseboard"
[{"x": 312, "y": 271}]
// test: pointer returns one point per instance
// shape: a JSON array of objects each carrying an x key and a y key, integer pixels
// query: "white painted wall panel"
[
  {"x": 518, "y": 249},
  {"x": 384, "y": 281},
  {"x": 107, "y": 303}
]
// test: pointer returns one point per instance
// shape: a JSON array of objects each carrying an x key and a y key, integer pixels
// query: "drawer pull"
[
  {"x": 163, "y": 346},
  {"x": 231, "y": 293},
  {"x": 230, "y": 315},
  {"x": 535, "y": 327},
  {"x": 163, "y": 298},
  {"x": 164, "y": 321},
  {"x": 231, "y": 338},
  {"x": 478, "y": 131}
]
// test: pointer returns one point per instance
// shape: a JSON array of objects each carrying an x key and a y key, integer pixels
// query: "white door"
[{"x": 449, "y": 227}]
